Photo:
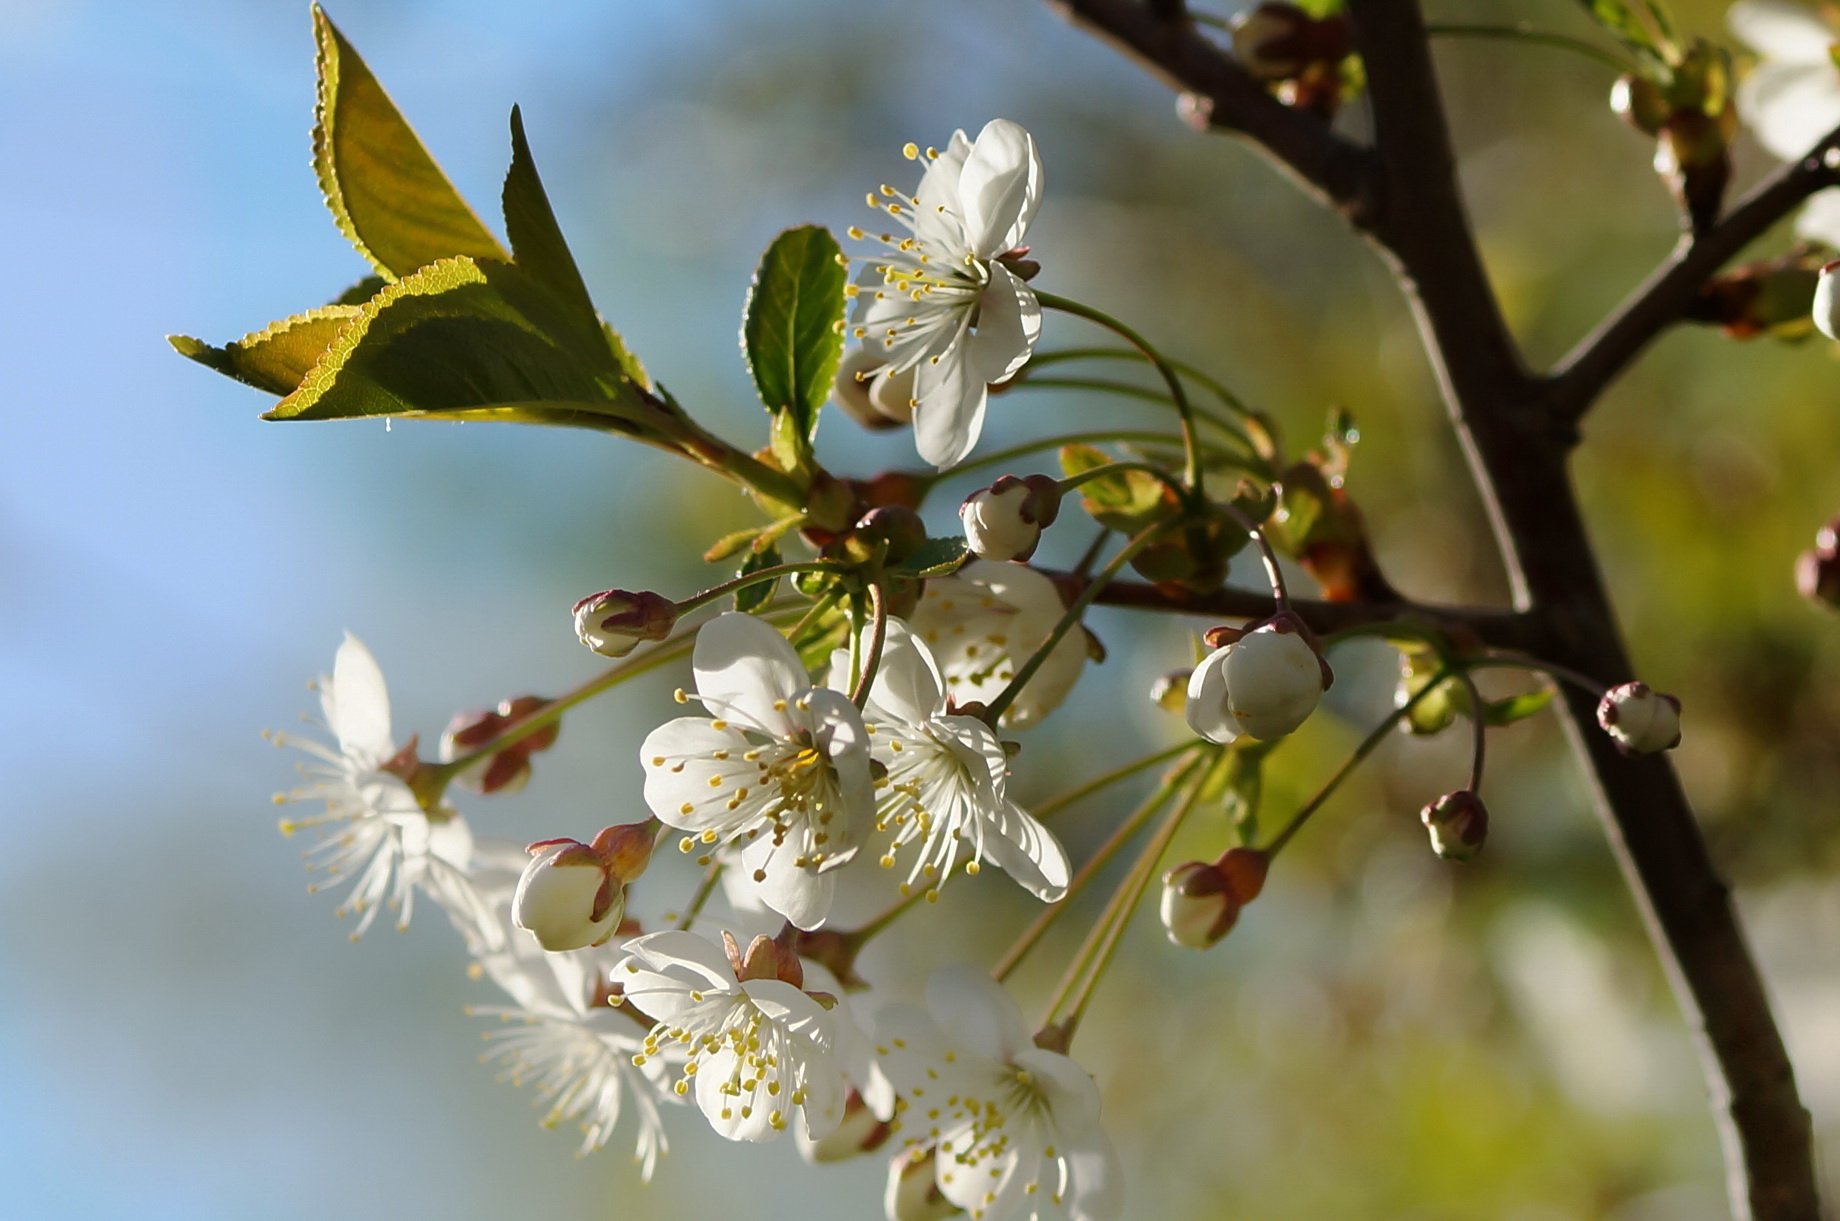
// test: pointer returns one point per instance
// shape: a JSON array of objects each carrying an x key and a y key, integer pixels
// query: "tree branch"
[
  {"x": 1590, "y": 367},
  {"x": 1516, "y": 431},
  {"x": 1500, "y": 629},
  {"x": 1217, "y": 92}
]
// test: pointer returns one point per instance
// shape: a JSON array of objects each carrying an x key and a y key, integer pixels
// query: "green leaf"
[
  {"x": 1236, "y": 781},
  {"x": 1122, "y": 500},
  {"x": 1516, "y": 707},
  {"x": 749, "y": 597},
  {"x": 791, "y": 333},
  {"x": 1419, "y": 664},
  {"x": 361, "y": 292},
  {"x": 457, "y": 340},
  {"x": 277, "y": 357},
  {"x": 937, "y": 557},
  {"x": 386, "y": 193},
  {"x": 537, "y": 245}
]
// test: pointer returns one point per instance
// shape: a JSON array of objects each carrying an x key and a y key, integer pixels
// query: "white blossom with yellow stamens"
[
  {"x": 982, "y": 625},
  {"x": 751, "y": 1051},
  {"x": 780, "y": 772},
  {"x": 938, "y": 300}
]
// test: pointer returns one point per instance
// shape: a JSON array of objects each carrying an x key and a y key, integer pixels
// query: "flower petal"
[
  {"x": 908, "y": 687},
  {"x": 1781, "y": 30},
  {"x": 999, "y": 189},
  {"x": 357, "y": 704},
  {"x": 745, "y": 669},
  {"x": 1790, "y": 106},
  {"x": 803, "y": 896},
  {"x": 949, "y": 410},
  {"x": 1026, "y": 850},
  {"x": 1009, "y": 323},
  {"x": 696, "y": 773},
  {"x": 977, "y": 1011}
]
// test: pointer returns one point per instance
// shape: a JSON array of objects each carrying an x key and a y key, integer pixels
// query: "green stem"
[
  {"x": 754, "y": 578},
  {"x": 704, "y": 889},
  {"x": 1143, "y": 394},
  {"x": 817, "y": 611},
  {"x": 1191, "y": 446},
  {"x": 1008, "y": 695},
  {"x": 1279, "y": 596},
  {"x": 1366, "y": 748},
  {"x": 860, "y": 935},
  {"x": 1514, "y": 661},
  {"x": 1054, "y": 805},
  {"x": 1478, "y": 730},
  {"x": 1003, "y": 457},
  {"x": 1120, "y": 836},
  {"x": 878, "y": 636},
  {"x": 1520, "y": 32},
  {"x": 1095, "y": 956}
]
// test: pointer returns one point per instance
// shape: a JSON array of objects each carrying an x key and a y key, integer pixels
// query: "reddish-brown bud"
[
  {"x": 1201, "y": 901},
  {"x": 1458, "y": 824},
  {"x": 614, "y": 621}
]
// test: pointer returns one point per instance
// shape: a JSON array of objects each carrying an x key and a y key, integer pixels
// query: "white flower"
[
  {"x": 373, "y": 827},
  {"x": 753, "y": 1050},
  {"x": 947, "y": 775},
  {"x": 1640, "y": 719},
  {"x": 1827, "y": 301},
  {"x": 781, "y": 770},
  {"x": 1016, "y": 1127},
  {"x": 1263, "y": 685},
  {"x": 1791, "y": 99},
  {"x": 874, "y": 398},
  {"x": 562, "y": 1035},
  {"x": 937, "y": 301},
  {"x": 984, "y": 622}
]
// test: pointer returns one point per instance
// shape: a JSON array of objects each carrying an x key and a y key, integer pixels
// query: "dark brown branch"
[
  {"x": 1659, "y": 303},
  {"x": 1516, "y": 434},
  {"x": 1501, "y": 629},
  {"x": 1217, "y": 92}
]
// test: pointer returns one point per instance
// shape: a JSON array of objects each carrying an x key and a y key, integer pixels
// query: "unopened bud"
[
  {"x": 872, "y": 397},
  {"x": 900, "y": 528},
  {"x": 1817, "y": 572},
  {"x": 1263, "y": 684},
  {"x": 1170, "y": 691},
  {"x": 858, "y": 1132},
  {"x": 1271, "y": 41},
  {"x": 1640, "y": 719},
  {"x": 1692, "y": 156},
  {"x": 503, "y": 771},
  {"x": 1004, "y": 521},
  {"x": 767, "y": 958},
  {"x": 1827, "y": 301},
  {"x": 1201, "y": 901},
  {"x": 913, "y": 1189},
  {"x": 1458, "y": 823},
  {"x": 1640, "y": 103},
  {"x": 574, "y": 894},
  {"x": 614, "y": 621}
]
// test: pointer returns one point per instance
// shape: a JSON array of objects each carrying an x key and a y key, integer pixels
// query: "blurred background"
[{"x": 184, "y": 1033}]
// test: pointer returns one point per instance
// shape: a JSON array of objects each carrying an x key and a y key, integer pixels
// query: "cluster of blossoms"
[{"x": 852, "y": 741}]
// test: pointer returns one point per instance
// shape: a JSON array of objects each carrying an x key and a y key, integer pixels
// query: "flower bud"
[
  {"x": 1004, "y": 521},
  {"x": 1271, "y": 41},
  {"x": 902, "y": 529},
  {"x": 1201, "y": 901},
  {"x": 1640, "y": 103},
  {"x": 858, "y": 1132},
  {"x": 503, "y": 771},
  {"x": 574, "y": 894},
  {"x": 1827, "y": 301},
  {"x": 614, "y": 621},
  {"x": 872, "y": 397},
  {"x": 1263, "y": 684},
  {"x": 1458, "y": 823},
  {"x": 913, "y": 1189},
  {"x": 1640, "y": 719}
]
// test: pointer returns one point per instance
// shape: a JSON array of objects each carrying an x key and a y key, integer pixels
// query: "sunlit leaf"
[
  {"x": 752, "y": 596},
  {"x": 386, "y": 193},
  {"x": 1516, "y": 707},
  {"x": 790, "y": 331},
  {"x": 277, "y": 357}
]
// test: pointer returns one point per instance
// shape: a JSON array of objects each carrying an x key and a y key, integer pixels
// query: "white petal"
[
  {"x": 1009, "y": 323},
  {"x": 682, "y": 769},
  {"x": 908, "y": 687},
  {"x": 937, "y": 222},
  {"x": 1206, "y": 708},
  {"x": 803, "y": 896},
  {"x": 976, "y": 1011},
  {"x": 744, "y": 667},
  {"x": 1791, "y": 106},
  {"x": 949, "y": 416},
  {"x": 1098, "y": 1180},
  {"x": 1820, "y": 218},
  {"x": 1073, "y": 1099},
  {"x": 1026, "y": 850},
  {"x": 999, "y": 189},
  {"x": 357, "y": 704},
  {"x": 1781, "y": 30}
]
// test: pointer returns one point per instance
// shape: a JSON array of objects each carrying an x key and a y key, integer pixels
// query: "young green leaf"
[
  {"x": 277, "y": 357},
  {"x": 451, "y": 341},
  {"x": 537, "y": 244},
  {"x": 1124, "y": 500},
  {"x": 751, "y": 597},
  {"x": 1516, "y": 707},
  {"x": 386, "y": 193},
  {"x": 790, "y": 332},
  {"x": 937, "y": 557}
]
